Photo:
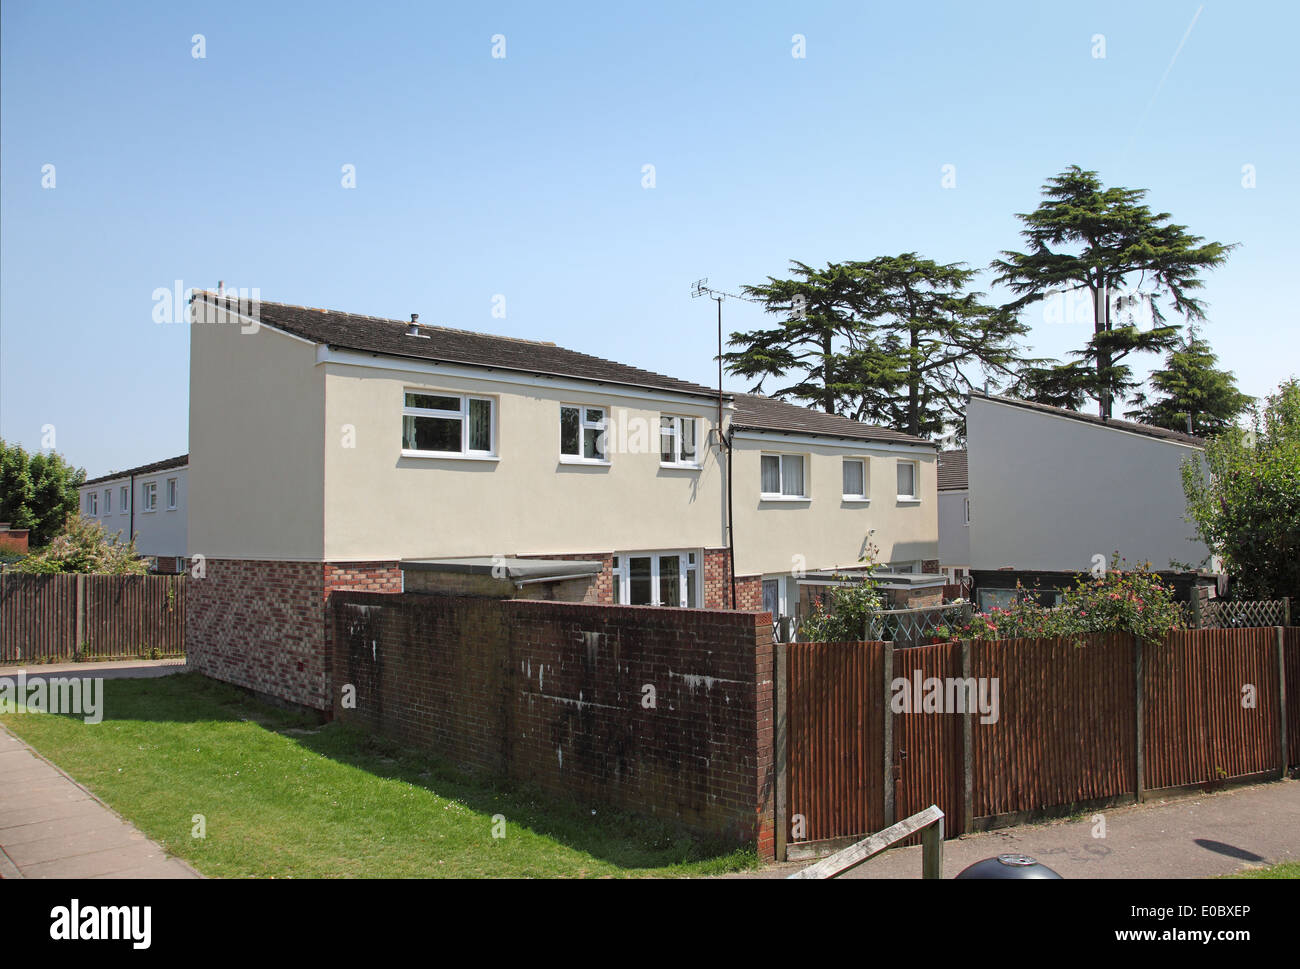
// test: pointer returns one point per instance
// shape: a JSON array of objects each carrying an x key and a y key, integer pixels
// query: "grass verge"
[{"x": 283, "y": 797}]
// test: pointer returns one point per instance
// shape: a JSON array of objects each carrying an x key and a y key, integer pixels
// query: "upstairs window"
[
  {"x": 124, "y": 504},
  {"x": 582, "y": 432},
  {"x": 907, "y": 480},
  {"x": 855, "y": 479},
  {"x": 108, "y": 501},
  {"x": 172, "y": 490},
  {"x": 92, "y": 503},
  {"x": 677, "y": 437},
  {"x": 149, "y": 495},
  {"x": 782, "y": 476},
  {"x": 446, "y": 424}
]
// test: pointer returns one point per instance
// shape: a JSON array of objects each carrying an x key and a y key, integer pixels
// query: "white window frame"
[
  {"x": 913, "y": 498},
  {"x": 465, "y": 452},
  {"x": 173, "y": 493},
  {"x": 124, "y": 499},
  {"x": 782, "y": 496},
  {"x": 108, "y": 501},
  {"x": 863, "y": 498},
  {"x": 966, "y": 510},
  {"x": 149, "y": 496},
  {"x": 584, "y": 425},
  {"x": 688, "y": 573},
  {"x": 675, "y": 431},
  {"x": 92, "y": 504}
]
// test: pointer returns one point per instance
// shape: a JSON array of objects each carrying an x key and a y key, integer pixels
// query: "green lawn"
[
  {"x": 1287, "y": 869},
  {"x": 286, "y": 798}
]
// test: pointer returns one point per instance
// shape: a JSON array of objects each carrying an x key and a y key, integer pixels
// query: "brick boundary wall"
[
  {"x": 553, "y": 694},
  {"x": 262, "y": 625}
]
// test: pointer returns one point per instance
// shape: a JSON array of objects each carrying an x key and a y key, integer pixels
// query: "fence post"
[
  {"x": 1196, "y": 606},
  {"x": 932, "y": 850},
  {"x": 80, "y": 614},
  {"x": 1281, "y": 698},
  {"x": 781, "y": 752},
  {"x": 967, "y": 746},
  {"x": 1286, "y": 610},
  {"x": 888, "y": 652},
  {"x": 1139, "y": 697}
]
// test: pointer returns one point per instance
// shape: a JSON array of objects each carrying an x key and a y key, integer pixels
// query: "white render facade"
[
  {"x": 1052, "y": 490},
  {"x": 150, "y": 501}
]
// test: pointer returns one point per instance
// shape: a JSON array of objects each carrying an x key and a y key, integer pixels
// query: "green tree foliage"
[
  {"x": 37, "y": 491},
  {"x": 1245, "y": 499},
  {"x": 896, "y": 340},
  {"x": 1107, "y": 242},
  {"x": 1192, "y": 386},
  {"x": 82, "y": 545}
]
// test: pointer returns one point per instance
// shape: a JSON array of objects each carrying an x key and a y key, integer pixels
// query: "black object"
[{"x": 1008, "y": 866}]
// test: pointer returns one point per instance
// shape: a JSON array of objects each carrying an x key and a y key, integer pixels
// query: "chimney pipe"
[{"x": 414, "y": 328}]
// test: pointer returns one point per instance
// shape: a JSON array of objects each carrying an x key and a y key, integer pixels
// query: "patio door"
[{"x": 656, "y": 579}]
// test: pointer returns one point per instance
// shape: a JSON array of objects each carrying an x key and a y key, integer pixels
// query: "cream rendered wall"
[
  {"x": 826, "y": 530},
  {"x": 381, "y": 505},
  {"x": 1049, "y": 492},
  {"x": 257, "y": 413}
]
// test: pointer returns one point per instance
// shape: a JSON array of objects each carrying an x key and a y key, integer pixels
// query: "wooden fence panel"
[
  {"x": 124, "y": 616},
  {"x": 1291, "y": 640},
  {"x": 1066, "y": 727},
  {"x": 836, "y": 738},
  {"x": 928, "y": 749},
  {"x": 1198, "y": 730}
]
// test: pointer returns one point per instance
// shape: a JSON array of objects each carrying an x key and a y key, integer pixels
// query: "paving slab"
[
  {"x": 1192, "y": 836},
  {"x": 52, "y": 827}
]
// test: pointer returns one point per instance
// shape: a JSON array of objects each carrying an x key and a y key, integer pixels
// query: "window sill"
[
  {"x": 854, "y": 500},
  {"x": 591, "y": 462},
  {"x": 449, "y": 456},
  {"x": 783, "y": 498},
  {"x": 904, "y": 500},
  {"x": 681, "y": 467}
]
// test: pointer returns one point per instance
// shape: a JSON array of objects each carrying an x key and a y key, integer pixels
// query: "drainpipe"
[
  {"x": 130, "y": 535},
  {"x": 725, "y": 443}
]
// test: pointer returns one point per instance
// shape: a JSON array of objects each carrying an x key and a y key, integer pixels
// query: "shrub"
[{"x": 84, "y": 547}]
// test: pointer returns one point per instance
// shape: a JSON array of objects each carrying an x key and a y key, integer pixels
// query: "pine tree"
[
  {"x": 896, "y": 340},
  {"x": 1105, "y": 241},
  {"x": 1192, "y": 386}
]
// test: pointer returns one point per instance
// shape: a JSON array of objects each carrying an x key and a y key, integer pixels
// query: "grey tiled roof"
[
  {"x": 179, "y": 461},
  {"x": 766, "y": 414},
  {"x": 952, "y": 471},
  {"x": 374, "y": 334}
]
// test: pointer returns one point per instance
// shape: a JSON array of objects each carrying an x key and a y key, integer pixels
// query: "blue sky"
[{"x": 522, "y": 177}]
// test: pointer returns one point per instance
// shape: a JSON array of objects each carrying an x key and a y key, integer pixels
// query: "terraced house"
[{"x": 331, "y": 450}]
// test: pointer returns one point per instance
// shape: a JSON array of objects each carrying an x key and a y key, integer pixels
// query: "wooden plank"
[
  {"x": 854, "y": 855},
  {"x": 1139, "y": 707},
  {"x": 781, "y": 752},
  {"x": 887, "y": 667},
  {"x": 932, "y": 850},
  {"x": 1281, "y": 699},
  {"x": 967, "y": 747}
]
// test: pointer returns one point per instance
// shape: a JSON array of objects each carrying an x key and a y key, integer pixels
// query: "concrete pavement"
[
  {"x": 1198, "y": 836},
  {"x": 52, "y": 827},
  {"x": 115, "y": 670}
]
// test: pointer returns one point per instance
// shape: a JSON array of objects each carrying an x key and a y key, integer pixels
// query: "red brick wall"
[
  {"x": 363, "y": 576},
  {"x": 552, "y": 694},
  {"x": 260, "y": 625}
]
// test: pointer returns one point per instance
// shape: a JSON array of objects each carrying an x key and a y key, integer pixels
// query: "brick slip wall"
[
  {"x": 551, "y": 693},
  {"x": 260, "y": 625}
]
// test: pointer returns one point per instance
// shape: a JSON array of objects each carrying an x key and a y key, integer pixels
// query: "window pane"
[
  {"x": 480, "y": 425},
  {"x": 569, "y": 431},
  {"x": 432, "y": 401},
  {"x": 431, "y": 433},
  {"x": 595, "y": 415},
  {"x": 792, "y": 475},
  {"x": 639, "y": 580},
  {"x": 853, "y": 478},
  {"x": 593, "y": 444},
  {"x": 688, "y": 439},
  {"x": 690, "y": 587},
  {"x": 668, "y": 440},
  {"x": 670, "y": 580},
  {"x": 771, "y": 474},
  {"x": 906, "y": 479},
  {"x": 615, "y": 591}
]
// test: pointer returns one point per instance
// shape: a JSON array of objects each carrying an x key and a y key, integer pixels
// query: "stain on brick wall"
[{"x": 555, "y": 694}]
